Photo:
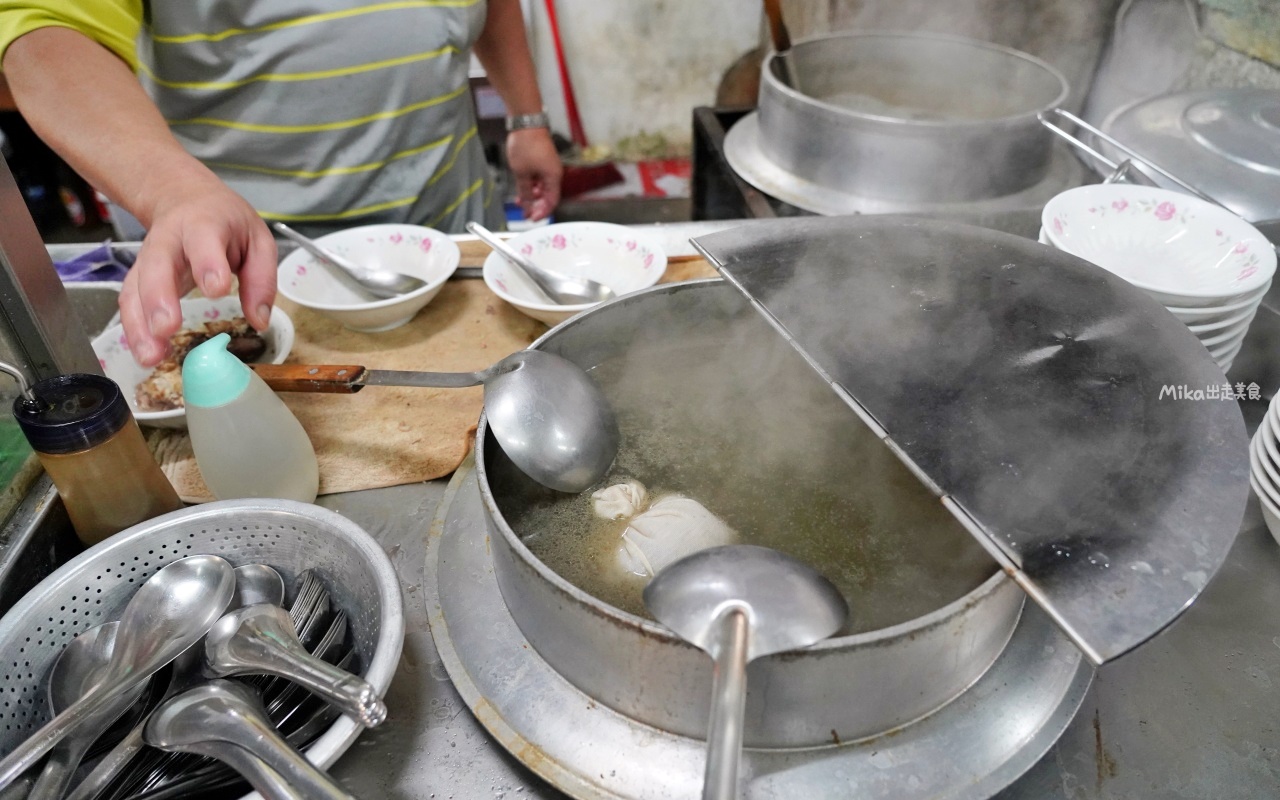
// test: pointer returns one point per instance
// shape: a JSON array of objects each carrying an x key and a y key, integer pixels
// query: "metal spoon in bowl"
[
  {"x": 557, "y": 288},
  {"x": 738, "y": 603},
  {"x": 170, "y": 612},
  {"x": 551, "y": 419},
  {"x": 381, "y": 283}
]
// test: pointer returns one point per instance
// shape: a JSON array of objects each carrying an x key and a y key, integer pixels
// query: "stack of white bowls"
[
  {"x": 1264, "y": 467},
  {"x": 1206, "y": 265}
]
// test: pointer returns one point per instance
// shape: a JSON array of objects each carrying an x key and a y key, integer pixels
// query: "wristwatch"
[{"x": 520, "y": 122}]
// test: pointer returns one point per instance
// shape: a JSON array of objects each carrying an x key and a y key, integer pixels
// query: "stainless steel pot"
[
  {"x": 910, "y": 117},
  {"x": 846, "y": 688}
]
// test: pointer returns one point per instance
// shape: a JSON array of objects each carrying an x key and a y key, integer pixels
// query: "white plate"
[
  {"x": 1230, "y": 335},
  {"x": 1207, "y": 328},
  {"x": 1260, "y": 475},
  {"x": 1211, "y": 313},
  {"x": 117, "y": 362},
  {"x": 1183, "y": 250}
]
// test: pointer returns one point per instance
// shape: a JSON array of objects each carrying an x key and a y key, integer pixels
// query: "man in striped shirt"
[{"x": 205, "y": 117}]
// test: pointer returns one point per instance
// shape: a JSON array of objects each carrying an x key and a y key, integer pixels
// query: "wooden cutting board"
[{"x": 386, "y": 436}]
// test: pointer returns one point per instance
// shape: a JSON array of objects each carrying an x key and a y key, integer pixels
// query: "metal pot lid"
[
  {"x": 1038, "y": 396},
  {"x": 1225, "y": 142}
]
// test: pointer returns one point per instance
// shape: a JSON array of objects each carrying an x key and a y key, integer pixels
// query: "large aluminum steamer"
[
  {"x": 1017, "y": 384},
  {"x": 886, "y": 122}
]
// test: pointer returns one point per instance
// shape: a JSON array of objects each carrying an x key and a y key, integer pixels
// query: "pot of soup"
[
  {"x": 908, "y": 118},
  {"x": 728, "y": 433}
]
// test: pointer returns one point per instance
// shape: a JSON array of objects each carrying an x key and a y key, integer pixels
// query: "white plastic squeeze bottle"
[{"x": 247, "y": 442}]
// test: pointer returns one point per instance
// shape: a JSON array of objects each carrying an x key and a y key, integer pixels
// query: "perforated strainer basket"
[{"x": 292, "y": 537}]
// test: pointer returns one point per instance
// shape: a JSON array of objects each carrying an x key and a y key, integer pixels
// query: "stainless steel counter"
[{"x": 1192, "y": 714}]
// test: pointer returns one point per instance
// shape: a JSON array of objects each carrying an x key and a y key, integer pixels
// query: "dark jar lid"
[{"x": 71, "y": 413}]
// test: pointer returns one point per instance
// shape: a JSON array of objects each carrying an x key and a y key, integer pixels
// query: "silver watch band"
[{"x": 520, "y": 122}]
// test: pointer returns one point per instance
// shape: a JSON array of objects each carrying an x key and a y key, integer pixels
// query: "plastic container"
[
  {"x": 87, "y": 440},
  {"x": 247, "y": 442}
]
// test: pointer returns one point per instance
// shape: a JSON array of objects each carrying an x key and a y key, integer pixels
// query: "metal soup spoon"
[
  {"x": 260, "y": 640},
  {"x": 168, "y": 614},
  {"x": 255, "y": 583},
  {"x": 381, "y": 283},
  {"x": 738, "y": 603},
  {"x": 224, "y": 720},
  {"x": 550, "y": 418},
  {"x": 75, "y": 673},
  {"x": 557, "y": 288}
]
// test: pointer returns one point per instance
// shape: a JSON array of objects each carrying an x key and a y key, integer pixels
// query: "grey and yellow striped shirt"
[{"x": 320, "y": 113}]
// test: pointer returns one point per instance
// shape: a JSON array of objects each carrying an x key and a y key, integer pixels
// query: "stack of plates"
[
  {"x": 1264, "y": 467},
  {"x": 1206, "y": 265}
]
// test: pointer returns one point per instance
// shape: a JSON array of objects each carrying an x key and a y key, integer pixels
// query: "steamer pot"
[
  {"x": 847, "y": 688},
  {"x": 910, "y": 118}
]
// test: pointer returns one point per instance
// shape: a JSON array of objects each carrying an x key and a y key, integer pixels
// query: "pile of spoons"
[{"x": 204, "y": 663}]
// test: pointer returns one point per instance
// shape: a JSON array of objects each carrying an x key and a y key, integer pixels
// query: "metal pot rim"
[
  {"x": 767, "y": 75},
  {"x": 649, "y": 627}
]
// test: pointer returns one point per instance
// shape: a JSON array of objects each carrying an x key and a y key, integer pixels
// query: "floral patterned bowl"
[
  {"x": 1184, "y": 251},
  {"x": 622, "y": 258},
  {"x": 117, "y": 362},
  {"x": 409, "y": 249}
]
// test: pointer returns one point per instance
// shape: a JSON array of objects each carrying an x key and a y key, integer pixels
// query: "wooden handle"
[
  {"x": 778, "y": 28},
  {"x": 330, "y": 379}
]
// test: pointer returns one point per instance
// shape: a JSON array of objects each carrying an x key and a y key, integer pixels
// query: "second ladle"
[
  {"x": 550, "y": 418},
  {"x": 738, "y": 603}
]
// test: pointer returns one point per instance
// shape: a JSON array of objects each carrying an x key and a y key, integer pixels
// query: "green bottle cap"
[{"x": 211, "y": 376}]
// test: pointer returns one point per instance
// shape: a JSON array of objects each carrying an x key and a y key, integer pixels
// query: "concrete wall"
[{"x": 639, "y": 67}]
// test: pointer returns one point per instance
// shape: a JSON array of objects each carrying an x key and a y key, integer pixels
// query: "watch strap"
[{"x": 519, "y": 122}]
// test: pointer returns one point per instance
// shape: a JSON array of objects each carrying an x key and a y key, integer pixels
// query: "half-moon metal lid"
[{"x": 1060, "y": 413}]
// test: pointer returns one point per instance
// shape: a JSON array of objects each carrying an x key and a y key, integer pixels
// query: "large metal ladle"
[
  {"x": 738, "y": 603},
  {"x": 550, "y": 418},
  {"x": 168, "y": 614},
  {"x": 381, "y": 283}
]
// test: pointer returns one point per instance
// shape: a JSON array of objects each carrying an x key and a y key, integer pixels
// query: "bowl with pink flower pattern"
[
  {"x": 1182, "y": 250},
  {"x": 622, "y": 258},
  {"x": 408, "y": 249}
]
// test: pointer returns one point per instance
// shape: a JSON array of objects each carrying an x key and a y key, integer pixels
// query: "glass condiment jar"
[{"x": 85, "y": 436}]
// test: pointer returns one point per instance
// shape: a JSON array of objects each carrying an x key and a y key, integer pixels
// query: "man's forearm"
[
  {"x": 84, "y": 102},
  {"x": 503, "y": 50}
]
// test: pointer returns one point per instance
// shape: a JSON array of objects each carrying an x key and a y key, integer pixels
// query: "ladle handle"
[
  {"x": 65, "y": 758},
  {"x": 353, "y": 695},
  {"x": 262, "y": 742},
  {"x": 111, "y": 764},
  {"x": 25, "y": 755},
  {"x": 329, "y": 379},
  {"x": 728, "y": 707},
  {"x": 347, "y": 379},
  {"x": 268, "y": 783}
]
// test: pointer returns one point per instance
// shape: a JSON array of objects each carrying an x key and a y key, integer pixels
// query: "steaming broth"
[{"x": 769, "y": 449}]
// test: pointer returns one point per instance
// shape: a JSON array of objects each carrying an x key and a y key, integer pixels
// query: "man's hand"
[
  {"x": 533, "y": 159},
  {"x": 198, "y": 236}
]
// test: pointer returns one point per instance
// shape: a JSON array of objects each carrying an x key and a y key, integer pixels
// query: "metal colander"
[{"x": 292, "y": 537}]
